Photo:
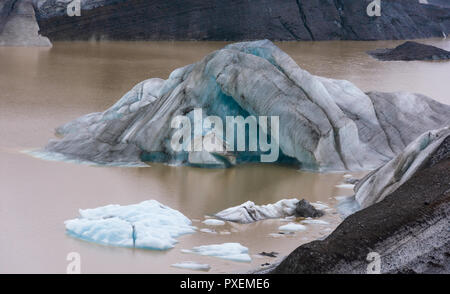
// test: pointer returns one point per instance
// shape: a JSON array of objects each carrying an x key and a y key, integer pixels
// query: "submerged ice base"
[{"x": 147, "y": 225}]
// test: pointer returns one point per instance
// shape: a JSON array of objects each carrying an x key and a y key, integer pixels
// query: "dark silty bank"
[
  {"x": 409, "y": 51},
  {"x": 408, "y": 229},
  {"x": 242, "y": 20}
]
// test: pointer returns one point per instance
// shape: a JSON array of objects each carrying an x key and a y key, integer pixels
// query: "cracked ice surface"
[
  {"x": 229, "y": 251},
  {"x": 147, "y": 225}
]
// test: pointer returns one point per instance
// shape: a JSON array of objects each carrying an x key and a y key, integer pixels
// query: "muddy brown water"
[{"x": 42, "y": 88}]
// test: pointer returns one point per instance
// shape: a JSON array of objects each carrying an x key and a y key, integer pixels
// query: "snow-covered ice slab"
[
  {"x": 249, "y": 212},
  {"x": 229, "y": 251},
  {"x": 147, "y": 225},
  {"x": 192, "y": 266}
]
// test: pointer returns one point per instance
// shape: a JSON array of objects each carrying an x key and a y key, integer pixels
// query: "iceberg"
[
  {"x": 147, "y": 225},
  {"x": 229, "y": 251},
  {"x": 324, "y": 124}
]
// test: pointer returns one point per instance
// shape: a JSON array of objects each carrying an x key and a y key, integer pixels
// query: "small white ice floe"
[
  {"x": 292, "y": 227},
  {"x": 288, "y": 219},
  {"x": 228, "y": 251},
  {"x": 213, "y": 222},
  {"x": 147, "y": 225},
  {"x": 314, "y": 222},
  {"x": 348, "y": 176},
  {"x": 192, "y": 266},
  {"x": 345, "y": 186}
]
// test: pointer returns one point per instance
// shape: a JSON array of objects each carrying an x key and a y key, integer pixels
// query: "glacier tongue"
[{"x": 147, "y": 225}]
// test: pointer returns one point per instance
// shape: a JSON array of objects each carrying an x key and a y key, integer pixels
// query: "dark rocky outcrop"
[
  {"x": 408, "y": 229},
  {"x": 241, "y": 20},
  {"x": 411, "y": 51},
  {"x": 305, "y": 209}
]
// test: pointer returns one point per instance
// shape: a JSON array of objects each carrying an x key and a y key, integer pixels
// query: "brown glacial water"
[{"x": 41, "y": 89}]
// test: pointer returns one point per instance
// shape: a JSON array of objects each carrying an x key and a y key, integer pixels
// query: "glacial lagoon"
[{"x": 44, "y": 88}]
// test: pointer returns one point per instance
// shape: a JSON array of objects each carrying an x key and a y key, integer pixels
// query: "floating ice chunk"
[
  {"x": 192, "y": 266},
  {"x": 209, "y": 231},
  {"x": 288, "y": 219},
  {"x": 315, "y": 222},
  {"x": 276, "y": 235},
  {"x": 345, "y": 186},
  {"x": 292, "y": 227},
  {"x": 147, "y": 225},
  {"x": 229, "y": 251},
  {"x": 213, "y": 222},
  {"x": 348, "y": 176},
  {"x": 319, "y": 205},
  {"x": 249, "y": 212}
]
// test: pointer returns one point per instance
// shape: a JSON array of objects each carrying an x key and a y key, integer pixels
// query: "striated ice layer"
[
  {"x": 388, "y": 178},
  {"x": 229, "y": 251},
  {"x": 147, "y": 225}
]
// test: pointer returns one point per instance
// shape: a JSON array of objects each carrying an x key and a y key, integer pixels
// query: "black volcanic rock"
[
  {"x": 241, "y": 20},
  {"x": 305, "y": 209},
  {"x": 409, "y": 229},
  {"x": 411, "y": 51}
]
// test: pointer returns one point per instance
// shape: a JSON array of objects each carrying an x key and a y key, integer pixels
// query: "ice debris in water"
[
  {"x": 147, "y": 225},
  {"x": 192, "y": 266},
  {"x": 209, "y": 231},
  {"x": 319, "y": 205},
  {"x": 315, "y": 221},
  {"x": 292, "y": 227},
  {"x": 345, "y": 186},
  {"x": 213, "y": 222},
  {"x": 229, "y": 251}
]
